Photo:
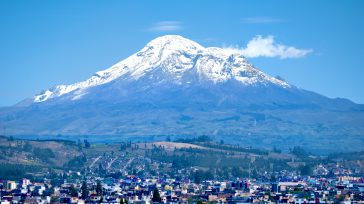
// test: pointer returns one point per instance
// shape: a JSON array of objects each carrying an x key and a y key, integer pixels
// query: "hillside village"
[{"x": 188, "y": 170}]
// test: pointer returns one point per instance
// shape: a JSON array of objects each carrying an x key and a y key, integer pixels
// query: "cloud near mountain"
[{"x": 261, "y": 46}]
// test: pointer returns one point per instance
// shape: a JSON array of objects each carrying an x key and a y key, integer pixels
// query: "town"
[
  {"x": 194, "y": 170},
  {"x": 133, "y": 189}
]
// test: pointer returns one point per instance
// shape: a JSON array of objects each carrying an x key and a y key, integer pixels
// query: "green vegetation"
[
  {"x": 156, "y": 196},
  {"x": 201, "y": 159},
  {"x": 99, "y": 188},
  {"x": 43, "y": 154},
  {"x": 199, "y": 139},
  {"x": 221, "y": 162},
  {"x": 305, "y": 170},
  {"x": 73, "y": 191},
  {"x": 84, "y": 190},
  {"x": 87, "y": 144},
  {"x": 17, "y": 171},
  {"x": 77, "y": 162},
  {"x": 200, "y": 175},
  {"x": 299, "y": 152}
]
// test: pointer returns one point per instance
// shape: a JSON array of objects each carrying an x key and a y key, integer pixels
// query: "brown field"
[
  {"x": 170, "y": 146},
  {"x": 13, "y": 152}
]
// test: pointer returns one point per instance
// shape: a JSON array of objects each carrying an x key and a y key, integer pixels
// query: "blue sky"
[{"x": 45, "y": 43}]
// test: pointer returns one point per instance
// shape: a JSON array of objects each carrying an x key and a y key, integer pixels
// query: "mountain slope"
[
  {"x": 174, "y": 86},
  {"x": 171, "y": 58}
]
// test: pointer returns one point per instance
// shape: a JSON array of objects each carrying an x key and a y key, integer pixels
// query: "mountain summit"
[
  {"x": 176, "y": 58},
  {"x": 176, "y": 87}
]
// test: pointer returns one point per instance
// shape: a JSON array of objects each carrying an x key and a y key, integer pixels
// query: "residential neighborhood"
[
  {"x": 197, "y": 170},
  {"x": 132, "y": 189}
]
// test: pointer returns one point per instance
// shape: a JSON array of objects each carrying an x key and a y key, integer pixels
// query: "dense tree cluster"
[
  {"x": 156, "y": 196},
  {"x": 17, "y": 171},
  {"x": 44, "y": 154}
]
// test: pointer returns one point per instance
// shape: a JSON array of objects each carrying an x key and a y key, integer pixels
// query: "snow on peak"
[
  {"x": 175, "y": 55},
  {"x": 174, "y": 42}
]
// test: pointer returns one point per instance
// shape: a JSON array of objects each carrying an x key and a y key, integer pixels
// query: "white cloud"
[
  {"x": 166, "y": 26},
  {"x": 260, "y": 20},
  {"x": 266, "y": 47}
]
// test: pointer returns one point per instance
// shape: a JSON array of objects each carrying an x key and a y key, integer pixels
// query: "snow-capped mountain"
[
  {"x": 176, "y": 87},
  {"x": 175, "y": 56}
]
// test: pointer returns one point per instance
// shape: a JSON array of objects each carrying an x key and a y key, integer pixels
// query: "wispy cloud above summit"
[
  {"x": 266, "y": 47},
  {"x": 166, "y": 26},
  {"x": 260, "y": 20}
]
